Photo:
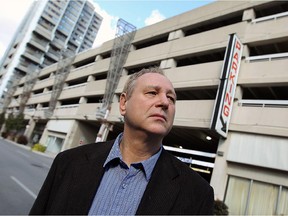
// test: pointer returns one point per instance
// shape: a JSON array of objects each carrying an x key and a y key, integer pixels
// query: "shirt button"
[{"x": 124, "y": 186}]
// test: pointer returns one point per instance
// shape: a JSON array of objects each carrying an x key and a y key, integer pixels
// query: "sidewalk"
[{"x": 46, "y": 154}]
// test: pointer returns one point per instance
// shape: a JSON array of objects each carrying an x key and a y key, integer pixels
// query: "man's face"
[{"x": 151, "y": 107}]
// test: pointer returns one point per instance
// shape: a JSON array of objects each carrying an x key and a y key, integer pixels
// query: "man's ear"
[{"x": 122, "y": 103}]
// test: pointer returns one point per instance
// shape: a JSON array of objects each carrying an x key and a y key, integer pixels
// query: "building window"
[
  {"x": 54, "y": 144},
  {"x": 250, "y": 197}
]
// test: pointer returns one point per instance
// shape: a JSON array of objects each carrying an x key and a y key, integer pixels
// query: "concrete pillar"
[
  {"x": 58, "y": 104},
  {"x": 90, "y": 78},
  {"x": 249, "y": 15},
  {"x": 176, "y": 35},
  {"x": 219, "y": 175},
  {"x": 246, "y": 51},
  {"x": 168, "y": 63},
  {"x": 238, "y": 93},
  {"x": 115, "y": 98},
  {"x": 124, "y": 72},
  {"x": 83, "y": 100},
  {"x": 98, "y": 57},
  {"x": 44, "y": 137},
  {"x": 30, "y": 128},
  {"x": 65, "y": 85},
  {"x": 132, "y": 47},
  {"x": 46, "y": 90}
]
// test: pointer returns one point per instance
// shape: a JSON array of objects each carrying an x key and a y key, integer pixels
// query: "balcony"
[
  {"x": 53, "y": 55},
  {"x": 264, "y": 71},
  {"x": 23, "y": 67},
  {"x": 194, "y": 113},
  {"x": 67, "y": 111},
  {"x": 95, "y": 87},
  {"x": 40, "y": 44},
  {"x": 58, "y": 43},
  {"x": 37, "y": 112},
  {"x": 260, "y": 116},
  {"x": 33, "y": 56},
  {"x": 44, "y": 83},
  {"x": 40, "y": 98},
  {"x": 45, "y": 32},
  {"x": 258, "y": 29},
  {"x": 73, "y": 91},
  {"x": 87, "y": 111}
]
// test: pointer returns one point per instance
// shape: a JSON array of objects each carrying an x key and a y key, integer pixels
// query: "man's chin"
[{"x": 161, "y": 132}]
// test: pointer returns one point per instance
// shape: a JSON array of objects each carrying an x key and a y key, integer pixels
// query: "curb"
[{"x": 50, "y": 155}]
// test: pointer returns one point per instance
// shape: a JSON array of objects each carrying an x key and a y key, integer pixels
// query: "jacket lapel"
[
  {"x": 87, "y": 176},
  {"x": 162, "y": 189}
]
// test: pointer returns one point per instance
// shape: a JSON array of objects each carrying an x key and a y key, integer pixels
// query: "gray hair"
[{"x": 130, "y": 83}]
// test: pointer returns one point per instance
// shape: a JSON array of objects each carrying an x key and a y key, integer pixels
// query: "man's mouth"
[{"x": 159, "y": 116}]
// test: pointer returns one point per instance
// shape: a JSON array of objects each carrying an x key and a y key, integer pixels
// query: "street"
[{"x": 22, "y": 173}]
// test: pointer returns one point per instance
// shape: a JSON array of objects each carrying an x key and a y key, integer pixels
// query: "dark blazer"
[{"x": 75, "y": 175}]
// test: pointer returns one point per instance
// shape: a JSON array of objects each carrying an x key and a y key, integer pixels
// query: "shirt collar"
[{"x": 148, "y": 164}]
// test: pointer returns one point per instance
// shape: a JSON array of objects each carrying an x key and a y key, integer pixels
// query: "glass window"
[
  {"x": 54, "y": 144},
  {"x": 283, "y": 202},
  {"x": 250, "y": 197},
  {"x": 263, "y": 198},
  {"x": 237, "y": 194}
]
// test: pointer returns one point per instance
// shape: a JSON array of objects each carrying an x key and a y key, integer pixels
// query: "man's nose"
[{"x": 163, "y": 101}]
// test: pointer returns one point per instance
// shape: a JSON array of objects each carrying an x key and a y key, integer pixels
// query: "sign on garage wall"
[{"x": 226, "y": 90}]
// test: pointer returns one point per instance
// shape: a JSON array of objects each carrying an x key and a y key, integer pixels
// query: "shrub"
[
  {"x": 4, "y": 135},
  {"x": 220, "y": 208},
  {"x": 2, "y": 119},
  {"x": 22, "y": 139},
  {"x": 39, "y": 147}
]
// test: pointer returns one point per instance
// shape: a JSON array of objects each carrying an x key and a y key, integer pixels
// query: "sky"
[{"x": 139, "y": 13}]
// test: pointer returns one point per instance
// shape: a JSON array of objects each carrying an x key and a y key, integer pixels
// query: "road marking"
[
  {"x": 24, "y": 187},
  {"x": 45, "y": 166},
  {"x": 25, "y": 155}
]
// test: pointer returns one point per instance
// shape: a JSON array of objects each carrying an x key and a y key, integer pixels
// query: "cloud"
[
  {"x": 11, "y": 14},
  {"x": 155, "y": 17},
  {"x": 108, "y": 27}
]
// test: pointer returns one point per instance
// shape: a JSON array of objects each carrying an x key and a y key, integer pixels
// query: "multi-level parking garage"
[{"x": 248, "y": 168}]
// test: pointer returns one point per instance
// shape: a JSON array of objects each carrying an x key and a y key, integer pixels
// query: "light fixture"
[
  {"x": 208, "y": 138},
  {"x": 201, "y": 170}
]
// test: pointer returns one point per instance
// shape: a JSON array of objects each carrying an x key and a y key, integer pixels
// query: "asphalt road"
[{"x": 22, "y": 173}]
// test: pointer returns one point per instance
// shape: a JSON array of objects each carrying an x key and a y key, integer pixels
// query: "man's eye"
[
  {"x": 172, "y": 99},
  {"x": 152, "y": 92}
]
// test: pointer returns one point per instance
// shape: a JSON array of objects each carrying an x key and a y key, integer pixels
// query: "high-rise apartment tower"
[{"x": 49, "y": 27}]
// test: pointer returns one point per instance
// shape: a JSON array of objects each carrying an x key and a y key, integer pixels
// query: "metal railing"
[
  {"x": 264, "y": 103},
  {"x": 271, "y": 17},
  {"x": 268, "y": 57}
]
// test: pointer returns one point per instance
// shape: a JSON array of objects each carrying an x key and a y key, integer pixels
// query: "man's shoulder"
[
  {"x": 87, "y": 150},
  {"x": 187, "y": 173}
]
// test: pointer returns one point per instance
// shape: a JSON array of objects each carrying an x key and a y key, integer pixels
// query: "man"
[{"x": 133, "y": 174}]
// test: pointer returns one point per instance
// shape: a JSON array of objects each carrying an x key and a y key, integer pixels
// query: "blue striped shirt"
[{"x": 122, "y": 187}]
